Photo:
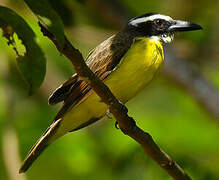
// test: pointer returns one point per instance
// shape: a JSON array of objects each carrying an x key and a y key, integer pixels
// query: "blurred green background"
[{"x": 177, "y": 122}]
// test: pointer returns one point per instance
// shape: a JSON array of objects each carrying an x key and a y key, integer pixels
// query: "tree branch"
[{"x": 126, "y": 123}]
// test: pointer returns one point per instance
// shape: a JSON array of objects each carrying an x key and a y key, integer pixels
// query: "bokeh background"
[{"x": 179, "y": 112}]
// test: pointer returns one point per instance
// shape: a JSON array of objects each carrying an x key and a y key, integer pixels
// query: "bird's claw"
[
  {"x": 116, "y": 125},
  {"x": 108, "y": 114}
]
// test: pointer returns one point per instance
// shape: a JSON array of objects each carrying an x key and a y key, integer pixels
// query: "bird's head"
[{"x": 159, "y": 26}]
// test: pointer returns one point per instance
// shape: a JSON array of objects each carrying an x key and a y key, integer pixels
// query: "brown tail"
[{"x": 40, "y": 145}]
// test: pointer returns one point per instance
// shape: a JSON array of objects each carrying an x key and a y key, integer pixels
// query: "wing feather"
[
  {"x": 102, "y": 60},
  {"x": 62, "y": 92}
]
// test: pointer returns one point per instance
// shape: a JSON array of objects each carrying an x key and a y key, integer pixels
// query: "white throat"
[{"x": 166, "y": 38}]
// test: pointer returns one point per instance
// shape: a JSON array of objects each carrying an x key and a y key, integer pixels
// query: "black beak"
[{"x": 178, "y": 26}]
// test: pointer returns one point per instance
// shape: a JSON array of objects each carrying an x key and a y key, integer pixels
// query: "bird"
[{"x": 126, "y": 62}]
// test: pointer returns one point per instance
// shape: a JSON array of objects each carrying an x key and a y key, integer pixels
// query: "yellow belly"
[{"x": 136, "y": 69}]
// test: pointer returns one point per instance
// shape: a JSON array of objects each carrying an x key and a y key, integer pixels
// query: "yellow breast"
[{"x": 136, "y": 69}]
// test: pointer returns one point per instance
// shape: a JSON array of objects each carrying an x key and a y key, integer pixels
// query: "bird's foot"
[
  {"x": 108, "y": 114},
  {"x": 132, "y": 125},
  {"x": 110, "y": 117},
  {"x": 116, "y": 125}
]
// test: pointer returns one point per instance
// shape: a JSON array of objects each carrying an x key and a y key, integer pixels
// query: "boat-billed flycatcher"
[{"x": 126, "y": 62}]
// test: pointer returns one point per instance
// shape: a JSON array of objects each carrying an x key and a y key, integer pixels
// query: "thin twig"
[{"x": 126, "y": 123}]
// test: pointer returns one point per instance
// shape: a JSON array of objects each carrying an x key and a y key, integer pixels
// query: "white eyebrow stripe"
[{"x": 137, "y": 21}]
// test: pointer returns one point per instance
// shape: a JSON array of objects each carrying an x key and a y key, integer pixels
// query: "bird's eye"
[{"x": 158, "y": 22}]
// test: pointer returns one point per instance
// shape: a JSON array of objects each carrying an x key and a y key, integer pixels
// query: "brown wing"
[
  {"x": 102, "y": 60},
  {"x": 62, "y": 92}
]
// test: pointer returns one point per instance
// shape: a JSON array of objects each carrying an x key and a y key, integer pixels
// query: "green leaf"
[
  {"x": 31, "y": 61},
  {"x": 48, "y": 17}
]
